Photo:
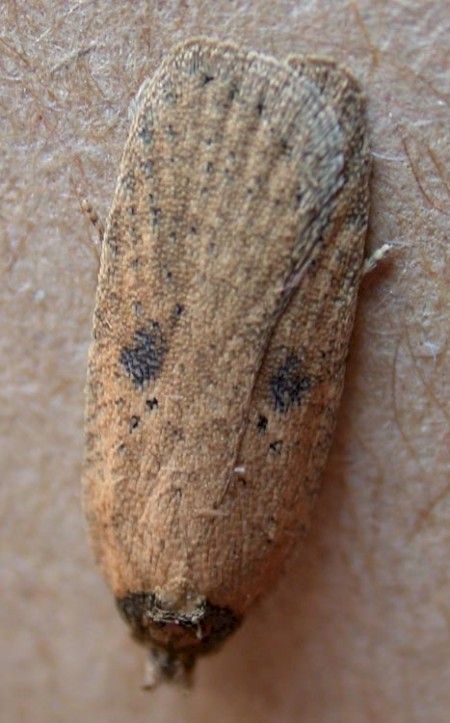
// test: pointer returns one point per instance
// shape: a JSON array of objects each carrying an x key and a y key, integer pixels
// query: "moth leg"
[
  {"x": 372, "y": 261},
  {"x": 93, "y": 217}
]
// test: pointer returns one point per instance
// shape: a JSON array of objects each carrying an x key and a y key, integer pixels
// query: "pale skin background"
[{"x": 358, "y": 628}]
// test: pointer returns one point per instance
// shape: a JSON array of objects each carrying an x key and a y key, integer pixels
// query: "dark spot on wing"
[
  {"x": 262, "y": 424},
  {"x": 233, "y": 92},
  {"x": 134, "y": 422},
  {"x": 288, "y": 384},
  {"x": 147, "y": 168},
  {"x": 276, "y": 447},
  {"x": 145, "y": 134},
  {"x": 143, "y": 359}
]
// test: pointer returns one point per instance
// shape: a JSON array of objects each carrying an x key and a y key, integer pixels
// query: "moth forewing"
[{"x": 225, "y": 303}]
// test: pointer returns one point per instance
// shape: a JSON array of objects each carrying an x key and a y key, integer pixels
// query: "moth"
[{"x": 226, "y": 297}]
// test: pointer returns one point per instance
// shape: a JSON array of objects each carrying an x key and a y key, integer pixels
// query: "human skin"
[{"x": 358, "y": 627}]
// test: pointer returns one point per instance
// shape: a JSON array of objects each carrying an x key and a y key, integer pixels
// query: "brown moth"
[{"x": 226, "y": 296}]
